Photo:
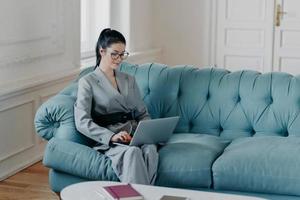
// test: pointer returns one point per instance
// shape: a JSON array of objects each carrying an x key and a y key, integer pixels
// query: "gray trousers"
[{"x": 133, "y": 164}]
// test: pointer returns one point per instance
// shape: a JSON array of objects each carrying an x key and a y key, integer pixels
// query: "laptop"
[{"x": 153, "y": 131}]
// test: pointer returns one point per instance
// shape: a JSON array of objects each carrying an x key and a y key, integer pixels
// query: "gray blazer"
[{"x": 96, "y": 94}]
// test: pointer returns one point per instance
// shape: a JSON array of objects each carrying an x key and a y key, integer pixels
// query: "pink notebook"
[{"x": 122, "y": 192}]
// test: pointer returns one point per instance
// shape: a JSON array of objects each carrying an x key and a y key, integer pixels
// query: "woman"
[{"x": 108, "y": 108}]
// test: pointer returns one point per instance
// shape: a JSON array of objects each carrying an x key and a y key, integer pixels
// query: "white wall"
[
  {"x": 169, "y": 31},
  {"x": 183, "y": 30},
  {"x": 135, "y": 19},
  {"x": 141, "y": 25},
  {"x": 39, "y": 55},
  {"x": 142, "y": 36},
  {"x": 37, "y": 42}
]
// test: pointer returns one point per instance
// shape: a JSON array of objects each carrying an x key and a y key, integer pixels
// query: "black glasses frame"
[{"x": 116, "y": 55}]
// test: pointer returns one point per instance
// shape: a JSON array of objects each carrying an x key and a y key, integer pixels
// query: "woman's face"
[{"x": 112, "y": 56}]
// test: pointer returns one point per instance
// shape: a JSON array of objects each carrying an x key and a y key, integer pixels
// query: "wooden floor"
[{"x": 31, "y": 183}]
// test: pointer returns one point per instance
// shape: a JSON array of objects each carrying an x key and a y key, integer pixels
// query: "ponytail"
[{"x": 106, "y": 38}]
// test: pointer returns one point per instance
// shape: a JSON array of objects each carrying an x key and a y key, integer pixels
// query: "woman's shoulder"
[{"x": 87, "y": 79}]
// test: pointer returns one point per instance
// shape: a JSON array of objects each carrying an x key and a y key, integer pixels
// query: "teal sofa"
[{"x": 239, "y": 132}]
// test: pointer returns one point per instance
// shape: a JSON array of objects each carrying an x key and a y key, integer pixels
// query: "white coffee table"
[{"x": 92, "y": 190}]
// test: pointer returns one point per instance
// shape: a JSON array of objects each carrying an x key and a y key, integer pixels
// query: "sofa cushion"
[
  {"x": 186, "y": 160},
  {"x": 78, "y": 160},
  {"x": 267, "y": 164}
]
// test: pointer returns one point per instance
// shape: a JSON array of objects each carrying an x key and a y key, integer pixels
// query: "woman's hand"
[{"x": 122, "y": 136}]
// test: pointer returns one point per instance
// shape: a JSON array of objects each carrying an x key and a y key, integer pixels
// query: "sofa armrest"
[
  {"x": 55, "y": 118},
  {"x": 78, "y": 160}
]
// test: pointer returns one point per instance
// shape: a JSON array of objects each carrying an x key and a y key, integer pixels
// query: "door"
[
  {"x": 287, "y": 36},
  {"x": 244, "y": 34},
  {"x": 262, "y": 35}
]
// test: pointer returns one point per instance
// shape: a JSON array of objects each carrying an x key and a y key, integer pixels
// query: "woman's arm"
[{"x": 83, "y": 119}]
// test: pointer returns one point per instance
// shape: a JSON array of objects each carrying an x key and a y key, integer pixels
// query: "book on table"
[{"x": 122, "y": 192}]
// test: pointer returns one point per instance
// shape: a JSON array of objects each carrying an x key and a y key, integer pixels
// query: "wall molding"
[
  {"x": 23, "y": 149},
  {"x": 13, "y": 168},
  {"x": 44, "y": 98},
  {"x": 36, "y": 83},
  {"x": 32, "y": 143},
  {"x": 14, "y": 105},
  {"x": 31, "y": 152}
]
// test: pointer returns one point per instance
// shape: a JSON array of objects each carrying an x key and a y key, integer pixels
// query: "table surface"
[{"x": 92, "y": 190}]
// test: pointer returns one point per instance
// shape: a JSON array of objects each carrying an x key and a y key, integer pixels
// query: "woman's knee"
[
  {"x": 149, "y": 149},
  {"x": 134, "y": 150}
]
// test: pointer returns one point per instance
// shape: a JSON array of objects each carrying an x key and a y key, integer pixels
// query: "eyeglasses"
[{"x": 116, "y": 55}]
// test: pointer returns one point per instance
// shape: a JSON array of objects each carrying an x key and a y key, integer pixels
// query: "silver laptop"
[{"x": 153, "y": 131}]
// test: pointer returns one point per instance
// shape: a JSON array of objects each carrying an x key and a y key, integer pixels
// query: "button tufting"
[
  {"x": 56, "y": 124},
  {"x": 191, "y": 125},
  {"x": 207, "y": 96},
  {"x": 179, "y": 93},
  {"x": 238, "y": 99},
  {"x": 221, "y": 128}
]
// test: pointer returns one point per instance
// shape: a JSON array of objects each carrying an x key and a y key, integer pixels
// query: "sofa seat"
[
  {"x": 267, "y": 164},
  {"x": 186, "y": 160}
]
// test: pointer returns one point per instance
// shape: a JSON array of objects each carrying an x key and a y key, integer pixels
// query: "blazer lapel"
[
  {"x": 122, "y": 82},
  {"x": 106, "y": 84}
]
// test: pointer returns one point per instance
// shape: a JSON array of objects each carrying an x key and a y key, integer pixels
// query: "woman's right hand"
[{"x": 122, "y": 136}]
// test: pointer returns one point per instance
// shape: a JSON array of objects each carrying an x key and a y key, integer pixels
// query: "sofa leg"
[{"x": 58, "y": 194}]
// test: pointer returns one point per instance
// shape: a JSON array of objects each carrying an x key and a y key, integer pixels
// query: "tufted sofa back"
[
  {"x": 218, "y": 102},
  {"x": 209, "y": 101}
]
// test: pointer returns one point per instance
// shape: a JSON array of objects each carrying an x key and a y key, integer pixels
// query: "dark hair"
[{"x": 106, "y": 38}]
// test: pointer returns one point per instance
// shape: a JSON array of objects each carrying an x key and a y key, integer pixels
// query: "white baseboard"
[{"x": 14, "y": 165}]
